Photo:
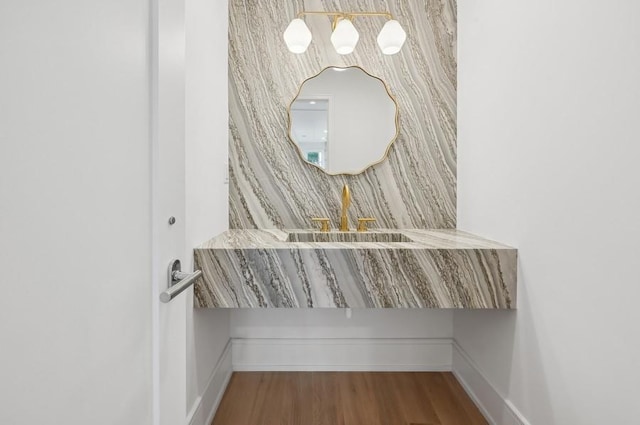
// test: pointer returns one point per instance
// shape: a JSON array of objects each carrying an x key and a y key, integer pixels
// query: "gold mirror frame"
[{"x": 387, "y": 150}]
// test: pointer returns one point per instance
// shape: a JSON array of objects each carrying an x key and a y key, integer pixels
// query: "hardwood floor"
[{"x": 346, "y": 398}]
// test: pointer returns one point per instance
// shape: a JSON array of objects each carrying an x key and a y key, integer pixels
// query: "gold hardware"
[
  {"x": 324, "y": 223},
  {"x": 290, "y": 116},
  {"x": 350, "y": 16},
  {"x": 346, "y": 200},
  {"x": 362, "y": 223},
  {"x": 347, "y": 15},
  {"x": 337, "y": 19}
]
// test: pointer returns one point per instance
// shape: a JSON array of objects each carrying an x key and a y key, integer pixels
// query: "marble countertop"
[
  {"x": 421, "y": 239},
  {"x": 448, "y": 268}
]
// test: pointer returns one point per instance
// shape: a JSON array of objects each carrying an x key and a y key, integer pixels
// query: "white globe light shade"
[
  {"x": 345, "y": 37},
  {"x": 391, "y": 37},
  {"x": 297, "y": 36}
]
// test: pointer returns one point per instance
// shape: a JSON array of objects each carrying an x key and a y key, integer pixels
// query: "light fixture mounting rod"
[{"x": 347, "y": 15}]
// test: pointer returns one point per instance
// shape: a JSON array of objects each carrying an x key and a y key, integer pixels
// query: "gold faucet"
[
  {"x": 346, "y": 200},
  {"x": 324, "y": 223}
]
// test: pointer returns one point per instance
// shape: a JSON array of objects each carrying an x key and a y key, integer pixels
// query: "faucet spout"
[{"x": 346, "y": 200}]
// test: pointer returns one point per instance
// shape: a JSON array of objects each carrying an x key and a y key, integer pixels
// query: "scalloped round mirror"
[{"x": 343, "y": 120}]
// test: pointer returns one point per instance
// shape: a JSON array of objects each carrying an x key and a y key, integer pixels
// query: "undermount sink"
[{"x": 348, "y": 237}]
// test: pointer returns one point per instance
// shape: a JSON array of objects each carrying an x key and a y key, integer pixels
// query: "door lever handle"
[{"x": 178, "y": 281}]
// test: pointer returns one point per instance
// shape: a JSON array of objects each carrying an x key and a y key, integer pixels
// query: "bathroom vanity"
[
  {"x": 387, "y": 129},
  {"x": 374, "y": 269}
]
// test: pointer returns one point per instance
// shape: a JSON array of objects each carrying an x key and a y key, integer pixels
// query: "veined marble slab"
[
  {"x": 259, "y": 268},
  {"x": 270, "y": 186}
]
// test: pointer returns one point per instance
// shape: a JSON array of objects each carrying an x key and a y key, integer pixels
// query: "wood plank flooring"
[{"x": 346, "y": 398}]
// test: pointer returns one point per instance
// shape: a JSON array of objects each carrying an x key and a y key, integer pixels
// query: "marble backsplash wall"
[{"x": 270, "y": 186}]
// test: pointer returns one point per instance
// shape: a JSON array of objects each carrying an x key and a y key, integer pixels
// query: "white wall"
[
  {"x": 549, "y": 144},
  {"x": 333, "y": 323},
  {"x": 75, "y": 319},
  {"x": 325, "y": 339},
  {"x": 206, "y": 192}
]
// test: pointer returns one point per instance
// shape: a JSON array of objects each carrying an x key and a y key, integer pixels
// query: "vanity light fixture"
[
  {"x": 297, "y": 36},
  {"x": 345, "y": 37}
]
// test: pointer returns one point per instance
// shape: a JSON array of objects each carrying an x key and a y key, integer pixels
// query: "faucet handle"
[
  {"x": 324, "y": 223},
  {"x": 362, "y": 223}
]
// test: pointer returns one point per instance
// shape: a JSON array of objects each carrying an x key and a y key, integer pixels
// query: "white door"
[
  {"x": 79, "y": 321},
  {"x": 168, "y": 204}
]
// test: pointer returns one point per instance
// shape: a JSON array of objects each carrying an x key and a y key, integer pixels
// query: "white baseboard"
[
  {"x": 205, "y": 406},
  {"x": 497, "y": 409},
  {"x": 336, "y": 354}
]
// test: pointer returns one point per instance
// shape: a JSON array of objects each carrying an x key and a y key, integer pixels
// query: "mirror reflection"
[{"x": 343, "y": 120}]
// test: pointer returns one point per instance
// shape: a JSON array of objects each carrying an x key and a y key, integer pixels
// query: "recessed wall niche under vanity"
[{"x": 301, "y": 204}]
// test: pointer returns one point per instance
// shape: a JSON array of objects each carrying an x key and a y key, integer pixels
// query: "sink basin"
[{"x": 348, "y": 237}]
